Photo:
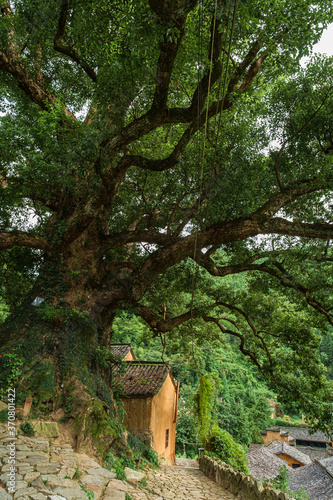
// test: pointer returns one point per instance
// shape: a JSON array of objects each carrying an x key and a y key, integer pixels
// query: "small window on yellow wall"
[{"x": 166, "y": 438}]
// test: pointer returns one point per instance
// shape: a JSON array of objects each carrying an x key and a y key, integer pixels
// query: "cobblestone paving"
[
  {"x": 184, "y": 482},
  {"x": 45, "y": 470}
]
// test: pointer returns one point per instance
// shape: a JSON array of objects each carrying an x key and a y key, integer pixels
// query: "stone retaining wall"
[{"x": 242, "y": 486}]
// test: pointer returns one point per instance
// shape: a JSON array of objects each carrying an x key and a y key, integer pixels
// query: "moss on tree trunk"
[{"x": 48, "y": 352}]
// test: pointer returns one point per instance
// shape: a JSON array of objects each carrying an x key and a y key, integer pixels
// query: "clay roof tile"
[{"x": 142, "y": 378}]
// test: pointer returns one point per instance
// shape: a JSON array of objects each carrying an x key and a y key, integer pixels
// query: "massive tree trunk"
[{"x": 58, "y": 332}]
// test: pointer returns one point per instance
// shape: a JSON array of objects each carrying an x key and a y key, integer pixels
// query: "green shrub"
[
  {"x": 77, "y": 473},
  {"x": 116, "y": 464},
  {"x": 27, "y": 429},
  {"x": 281, "y": 483},
  {"x": 221, "y": 444},
  {"x": 279, "y": 422},
  {"x": 152, "y": 457},
  {"x": 3, "y": 416},
  {"x": 90, "y": 494},
  {"x": 141, "y": 450}
]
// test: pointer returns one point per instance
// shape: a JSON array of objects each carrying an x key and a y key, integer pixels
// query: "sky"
[
  {"x": 324, "y": 46},
  {"x": 326, "y": 42}
]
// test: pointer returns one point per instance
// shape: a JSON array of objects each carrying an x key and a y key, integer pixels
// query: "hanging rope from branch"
[{"x": 202, "y": 148}]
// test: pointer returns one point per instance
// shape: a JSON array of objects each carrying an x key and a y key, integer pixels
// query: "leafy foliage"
[
  {"x": 27, "y": 428},
  {"x": 281, "y": 483},
  {"x": 205, "y": 405},
  {"x": 216, "y": 441},
  {"x": 10, "y": 369},
  {"x": 220, "y": 444},
  {"x": 146, "y": 171}
]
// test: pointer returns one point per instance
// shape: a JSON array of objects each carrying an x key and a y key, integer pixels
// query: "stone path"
[
  {"x": 45, "y": 470},
  {"x": 183, "y": 482}
]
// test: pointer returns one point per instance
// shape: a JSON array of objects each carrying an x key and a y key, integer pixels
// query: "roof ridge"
[
  {"x": 141, "y": 362},
  {"x": 259, "y": 449},
  {"x": 121, "y": 343},
  {"x": 317, "y": 460}
]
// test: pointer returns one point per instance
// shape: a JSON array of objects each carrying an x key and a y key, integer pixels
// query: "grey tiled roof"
[
  {"x": 327, "y": 463},
  {"x": 277, "y": 447},
  {"x": 316, "y": 479},
  {"x": 313, "y": 453},
  {"x": 300, "y": 433},
  {"x": 121, "y": 350},
  {"x": 264, "y": 464},
  {"x": 142, "y": 378}
]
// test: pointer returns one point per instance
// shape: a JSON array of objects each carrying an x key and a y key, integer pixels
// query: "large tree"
[{"x": 148, "y": 148}]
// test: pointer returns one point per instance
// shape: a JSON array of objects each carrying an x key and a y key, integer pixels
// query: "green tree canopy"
[{"x": 149, "y": 150}]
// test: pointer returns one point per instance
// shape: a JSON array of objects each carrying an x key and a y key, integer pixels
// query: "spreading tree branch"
[
  {"x": 21, "y": 239},
  {"x": 67, "y": 50},
  {"x": 11, "y": 62}
]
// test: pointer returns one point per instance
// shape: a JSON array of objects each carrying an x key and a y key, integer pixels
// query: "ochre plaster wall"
[
  {"x": 271, "y": 436},
  {"x": 138, "y": 416},
  {"x": 290, "y": 460},
  {"x": 163, "y": 418},
  {"x": 129, "y": 357}
]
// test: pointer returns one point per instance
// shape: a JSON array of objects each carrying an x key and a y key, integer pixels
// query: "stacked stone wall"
[{"x": 242, "y": 486}]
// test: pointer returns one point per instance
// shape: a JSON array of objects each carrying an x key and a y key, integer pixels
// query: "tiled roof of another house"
[
  {"x": 121, "y": 350},
  {"x": 327, "y": 463},
  {"x": 264, "y": 464},
  {"x": 142, "y": 378},
  {"x": 300, "y": 433},
  {"x": 317, "y": 481},
  {"x": 278, "y": 448},
  {"x": 313, "y": 453},
  {"x": 304, "y": 434}
]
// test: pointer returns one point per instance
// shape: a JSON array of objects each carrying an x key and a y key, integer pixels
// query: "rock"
[
  {"x": 97, "y": 491},
  {"x": 4, "y": 495},
  {"x": 115, "y": 495},
  {"x": 22, "y": 447},
  {"x": 6, "y": 468},
  {"x": 25, "y": 469},
  {"x": 23, "y": 465},
  {"x": 85, "y": 462},
  {"x": 24, "y": 492},
  {"x": 38, "y": 483},
  {"x": 46, "y": 429},
  {"x": 76, "y": 493},
  {"x": 133, "y": 475},
  {"x": 47, "y": 491},
  {"x": 31, "y": 476},
  {"x": 38, "y": 496},
  {"x": 5, "y": 477},
  {"x": 56, "y": 480},
  {"x": 56, "y": 497},
  {"x": 47, "y": 468},
  {"x": 102, "y": 472},
  {"x": 36, "y": 459},
  {"x": 41, "y": 446},
  {"x": 115, "y": 484},
  {"x": 96, "y": 480},
  {"x": 69, "y": 461},
  {"x": 67, "y": 471},
  {"x": 20, "y": 485}
]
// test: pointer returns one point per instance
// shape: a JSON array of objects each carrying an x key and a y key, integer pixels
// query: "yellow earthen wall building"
[{"x": 150, "y": 402}]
